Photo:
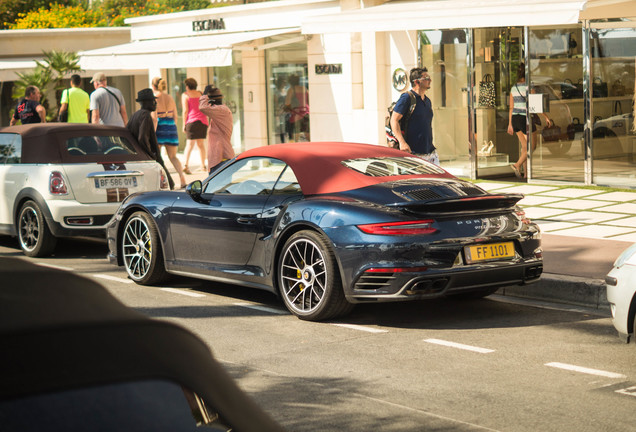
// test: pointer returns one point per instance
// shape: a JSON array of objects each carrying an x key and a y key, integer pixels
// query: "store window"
[
  {"x": 556, "y": 69},
  {"x": 498, "y": 53},
  {"x": 444, "y": 54},
  {"x": 288, "y": 104},
  {"x": 229, "y": 79},
  {"x": 613, "y": 52},
  {"x": 176, "y": 87}
]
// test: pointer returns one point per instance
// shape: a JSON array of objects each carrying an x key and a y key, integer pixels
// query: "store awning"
[
  {"x": 9, "y": 67},
  {"x": 604, "y": 9},
  {"x": 446, "y": 14},
  {"x": 192, "y": 51}
]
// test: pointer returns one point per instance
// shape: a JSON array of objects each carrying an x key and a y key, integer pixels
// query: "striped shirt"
[{"x": 519, "y": 94}]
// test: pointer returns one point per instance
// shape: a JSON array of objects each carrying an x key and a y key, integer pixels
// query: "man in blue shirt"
[{"x": 419, "y": 131}]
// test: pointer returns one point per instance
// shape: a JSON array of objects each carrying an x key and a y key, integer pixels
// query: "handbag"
[
  {"x": 63, "y": 115},
  {"x": 618, "y": 89},
  {"x": 569, "y": 90},
  {"x": 552, "y": 133},
  {"x": 599, "y": 88},
  {"x": 487, "y": 92},
  {"x": 575, "y": 127}
]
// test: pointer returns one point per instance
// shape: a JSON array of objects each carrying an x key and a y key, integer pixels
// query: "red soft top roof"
[{"x": 318, "y": 166}]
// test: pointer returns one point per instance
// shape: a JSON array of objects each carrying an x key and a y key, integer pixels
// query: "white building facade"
[{"x": 350, "y": 57}]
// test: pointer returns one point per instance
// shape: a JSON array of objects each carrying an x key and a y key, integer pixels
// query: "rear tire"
[
  {"x": 309, "y": 279},
  {"x": 34, "y": 234},
  {"x": 141, "y": 250}
]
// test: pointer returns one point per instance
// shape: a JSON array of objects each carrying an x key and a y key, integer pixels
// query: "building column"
[{"x": 254, "y": 99}]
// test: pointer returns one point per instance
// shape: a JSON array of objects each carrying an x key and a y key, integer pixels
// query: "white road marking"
[
  {"x": 585, "y": 370},
  {"x": 53, "y": 266},
  {"x": 113, "y": 278},
  {"x": 361, "y": 328},
  {"x": 460, "y": 346},
  {"x": 182, "y": 292},
  {"x": 629, "y": 391},
  {"x": 262, "y": 308}
]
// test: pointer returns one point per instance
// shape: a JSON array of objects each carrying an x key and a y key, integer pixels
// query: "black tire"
[
  {"x": 34, "y": 234},
  {"x": 309, "y": 280},
  {"x": 473, "y": 295},
  {"x": 141, "y": 250}
]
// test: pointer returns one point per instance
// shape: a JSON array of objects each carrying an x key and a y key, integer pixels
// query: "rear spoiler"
[{"x": 472, "y": 204}]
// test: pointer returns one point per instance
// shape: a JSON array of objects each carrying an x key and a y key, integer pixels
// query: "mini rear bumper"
[{"x": 67, "y": 218}]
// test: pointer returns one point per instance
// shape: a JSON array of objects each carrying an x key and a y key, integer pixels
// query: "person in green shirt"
[{"x": 76, "y": 101}]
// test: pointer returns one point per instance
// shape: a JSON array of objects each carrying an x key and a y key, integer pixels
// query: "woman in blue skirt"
[{"x": 166, "y": 123}]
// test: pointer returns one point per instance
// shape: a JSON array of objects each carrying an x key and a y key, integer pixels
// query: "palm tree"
[{"x": 48, "y": 74}]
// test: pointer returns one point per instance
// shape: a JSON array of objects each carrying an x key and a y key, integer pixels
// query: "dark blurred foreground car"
[
  {"x": 60, "y": 179},
  {"x": 327, "y": 225},
  {"x": 75, "y": 359}
]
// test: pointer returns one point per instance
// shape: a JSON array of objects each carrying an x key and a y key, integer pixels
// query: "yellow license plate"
[{"x": 489, "y": 252}]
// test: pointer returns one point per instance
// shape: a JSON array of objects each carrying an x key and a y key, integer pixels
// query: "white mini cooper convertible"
[{"x": 60, "y": 179}]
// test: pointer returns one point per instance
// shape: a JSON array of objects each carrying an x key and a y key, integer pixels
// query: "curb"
[{"x": 589, "y": 293}]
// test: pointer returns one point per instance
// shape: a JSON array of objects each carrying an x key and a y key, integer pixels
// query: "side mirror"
[{"x": 194, "y": 189}]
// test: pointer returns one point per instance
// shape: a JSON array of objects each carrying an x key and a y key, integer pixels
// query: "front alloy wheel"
[
  {"x": 141, "y": 250},
  {"x": 309, "y": 279}
]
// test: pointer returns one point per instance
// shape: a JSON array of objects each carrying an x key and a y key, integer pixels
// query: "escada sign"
[
  {"x": 211, "y": 24},
  {"x": 326, "y": 69}
]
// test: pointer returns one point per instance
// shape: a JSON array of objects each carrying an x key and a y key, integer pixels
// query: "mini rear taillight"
[
  {"x": 57, "y": 185},
  {"x": 163, "y": 182},
  {"x": 400, "y": 228}
]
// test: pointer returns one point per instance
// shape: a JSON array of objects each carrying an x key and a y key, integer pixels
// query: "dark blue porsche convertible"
[{"x": 328, "y": 225}]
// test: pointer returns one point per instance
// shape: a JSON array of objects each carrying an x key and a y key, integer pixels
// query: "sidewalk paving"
[{"x": 584, "y": 229}]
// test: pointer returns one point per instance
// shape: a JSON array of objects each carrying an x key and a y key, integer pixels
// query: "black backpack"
[{"x": 404, "y": 122}]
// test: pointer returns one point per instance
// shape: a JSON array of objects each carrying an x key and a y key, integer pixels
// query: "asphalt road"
[{"x": 439, "y": 365}]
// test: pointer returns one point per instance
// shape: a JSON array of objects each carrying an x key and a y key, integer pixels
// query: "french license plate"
[
  {"x": 489, "y": 252},
  {"x": 115, "y": 182}
]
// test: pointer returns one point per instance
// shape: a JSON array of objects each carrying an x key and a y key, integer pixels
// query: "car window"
[
  {"x": 251, "y": 176},
  {"x": 127, "y": 406},
  {"x": 287, "y": 183},
  {"x": 10, "y": 148},
  {"x": 392, "y": 166},
  {"x": 99, "y": 145}
]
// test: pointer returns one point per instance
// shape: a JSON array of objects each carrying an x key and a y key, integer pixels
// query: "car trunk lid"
[{"x": 111, "y": 182}]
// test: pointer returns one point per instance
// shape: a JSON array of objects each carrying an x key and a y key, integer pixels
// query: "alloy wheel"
[
  {"x": 137, "y": 248},
  {"x": 303, "y": 276}
]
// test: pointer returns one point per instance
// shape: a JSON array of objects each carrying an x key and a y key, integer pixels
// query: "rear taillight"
[
  {"x": 379, "y": 270},
  {"x": 57, "y": 185},
  {"x": 400, "y": 228},
  {"x": 522, "y": 216},
  {"x": 163, "y": 182}
]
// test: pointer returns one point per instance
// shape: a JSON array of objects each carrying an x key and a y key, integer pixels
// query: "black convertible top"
[
  {"x": 62, "y": 331},
  {"x": 46, "y": 142}
]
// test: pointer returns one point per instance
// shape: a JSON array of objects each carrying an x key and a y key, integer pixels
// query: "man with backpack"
[{"x": 412, "y": 118}]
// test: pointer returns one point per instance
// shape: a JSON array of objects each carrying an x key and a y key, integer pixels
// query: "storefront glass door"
[
  {"x": 613, "y": 53},
  {"x": 556, "y": 69},
  {"x": 497, "y": 53},
  {"x": 229, "y": 79},
  {"x": 444, "y": 54},
  {"x": 288, "y": 102}
]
